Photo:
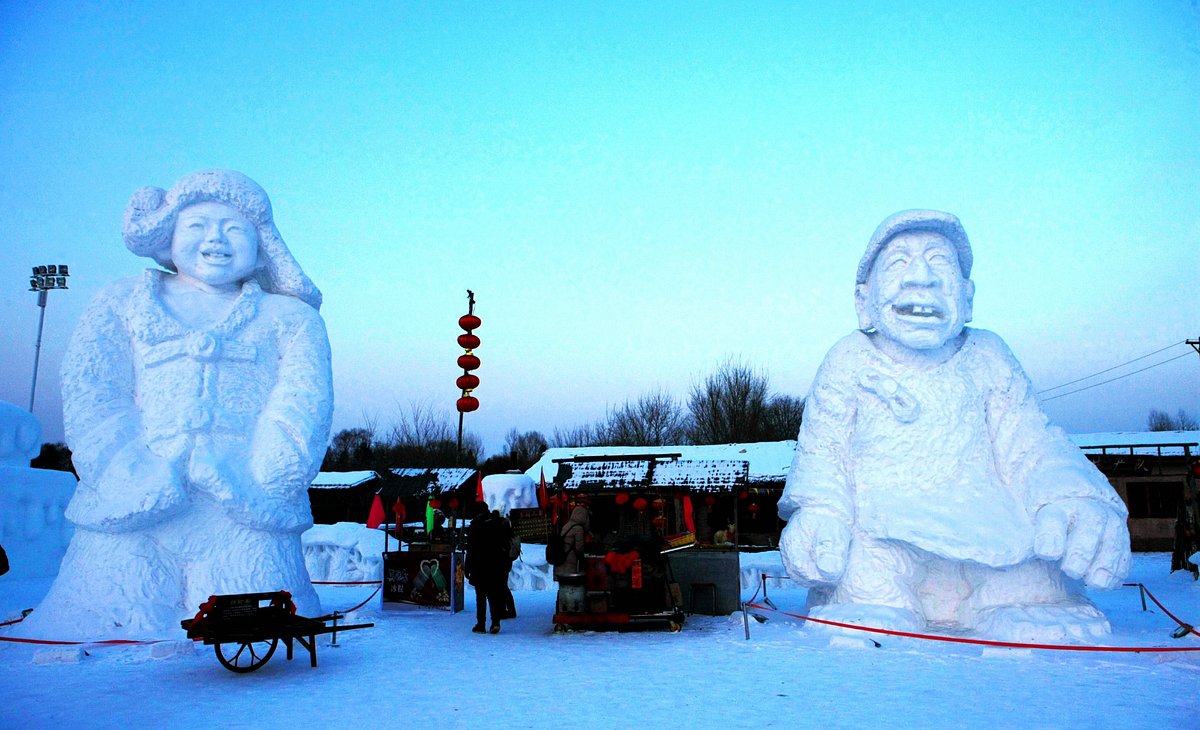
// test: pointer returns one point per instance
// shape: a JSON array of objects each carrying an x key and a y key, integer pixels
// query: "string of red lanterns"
[{"x": 468, "y": 361}]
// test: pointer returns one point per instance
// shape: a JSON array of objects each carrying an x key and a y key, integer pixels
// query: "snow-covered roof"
[
  {"x": 698, "y": 476},
  {"x": 767, "y": 461},
  {"x": 1143, "y": 442},
  {"x": 342, "y": 479},
  {"x": 444, "y": 479}
]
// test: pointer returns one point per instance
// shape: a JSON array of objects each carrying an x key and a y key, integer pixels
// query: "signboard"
[{"x": 423, "y": 578}]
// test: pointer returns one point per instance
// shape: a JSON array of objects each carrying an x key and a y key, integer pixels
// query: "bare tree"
[
  {"x": 784, "y": 416},
  {"x": 583, "y": 435},
  {"x": 654, "y": 419},
  {"x": 523, "y": 449},
  {"x": 730, "y": 406},
  {"x": 1163, "y": 421}
]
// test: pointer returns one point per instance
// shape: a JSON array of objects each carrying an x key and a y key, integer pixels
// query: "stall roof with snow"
[
  {"x": 701, "y": 468},
  {"x": 342, "y": 479},
  {"x": 410, "y": 482},
  {"x": 1156, "y": 443}
]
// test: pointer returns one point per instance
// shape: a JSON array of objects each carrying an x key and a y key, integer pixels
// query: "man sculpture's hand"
[
  {"x": 814, "y": 547},
  {"x": 1090, "y": 538}
]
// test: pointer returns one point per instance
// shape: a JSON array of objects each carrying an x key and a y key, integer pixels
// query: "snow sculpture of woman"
[
  {"x": 928, "y": 489},
  {"x": 197, "y": 404}
]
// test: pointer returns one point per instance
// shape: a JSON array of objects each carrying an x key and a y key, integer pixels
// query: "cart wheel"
[
  {"x": 245, "y": 656},
  {"x": 674, "y": 626}
]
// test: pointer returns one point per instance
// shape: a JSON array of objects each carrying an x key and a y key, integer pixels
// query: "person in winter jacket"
[
  {"x": 487, "y": 567},
  {"x": 574, "y": 533}
]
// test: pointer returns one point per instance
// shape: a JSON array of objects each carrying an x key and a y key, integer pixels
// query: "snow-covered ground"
[{"x": 424, "y": 668}]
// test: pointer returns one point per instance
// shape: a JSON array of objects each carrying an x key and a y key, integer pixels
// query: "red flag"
[
  {"x": 689, "y": 521},
  {"x": 399, "y": 511},
  {"x": 479, "y": 488},
  {"x": 375, "y": 518},
  {"x": 543, "y": 501}
]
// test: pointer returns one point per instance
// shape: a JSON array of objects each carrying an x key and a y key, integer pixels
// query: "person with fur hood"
[{"x": 574, "y": 533}]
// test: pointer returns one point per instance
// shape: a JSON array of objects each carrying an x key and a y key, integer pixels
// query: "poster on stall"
[{"x": 423, "y": 578}]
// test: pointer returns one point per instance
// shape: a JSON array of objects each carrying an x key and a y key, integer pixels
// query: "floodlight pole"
[
  {"x": 43, "y": 279},
  {"x": 37, "y": 345}
]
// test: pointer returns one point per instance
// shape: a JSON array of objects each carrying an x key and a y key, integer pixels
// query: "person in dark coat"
[{"x": 487, "y": 567}]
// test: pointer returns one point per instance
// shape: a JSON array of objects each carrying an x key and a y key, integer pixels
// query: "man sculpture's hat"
[{"x": 917, "y": 220}]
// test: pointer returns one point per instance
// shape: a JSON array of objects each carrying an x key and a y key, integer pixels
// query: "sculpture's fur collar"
[{"x": 152, "y": 323}]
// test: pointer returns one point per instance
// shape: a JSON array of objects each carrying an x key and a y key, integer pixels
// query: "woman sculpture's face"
[{"x": 214, "y": 247}]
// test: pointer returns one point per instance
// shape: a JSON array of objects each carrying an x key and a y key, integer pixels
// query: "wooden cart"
[{"x": 245, "y": 628}]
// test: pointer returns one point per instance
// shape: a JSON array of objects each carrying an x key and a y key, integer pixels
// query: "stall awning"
[
  {"x": 652, "y": 473},
  {"x": 423, "y": 482}
]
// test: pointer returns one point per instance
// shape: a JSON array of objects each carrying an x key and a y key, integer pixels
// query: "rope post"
[
  {"x": 336, "y": 615},
  {"x": 1142, "y": 592},
  {"x": 746, "y": 620}
]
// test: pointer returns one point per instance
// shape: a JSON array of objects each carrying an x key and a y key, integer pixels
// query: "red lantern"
[
  {"x": 468, "y": 322},
  {"x": 743, "y": 494},
  {"x": 639, "y": 504},
  {"x": 659, "y": 504},
  {"x": 659, "y": 522},
  {"x": 467, "y": 403},
  {"x": 1196, "y": 469},
  {"x": 710, "y": 500},
  {"x": 753, "y": 509},
  {"x": 467, "y": 382},
  {"x": 468, "y": 342},
  {"x": 453, "y": 503},
  {"x": 621, "y": 498},
  {"x": 468, "y": 362},
  {"x": 435, "y": 503}
]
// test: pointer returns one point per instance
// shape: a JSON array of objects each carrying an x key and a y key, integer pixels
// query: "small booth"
[
  {"x": 643, "y": 562},
  {"x": 426, "y": 566}
]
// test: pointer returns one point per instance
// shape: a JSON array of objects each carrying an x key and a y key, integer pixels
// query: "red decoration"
[
  {"x": 469, "y": 322},
  {"x": 1196, "y": 469},
  {"x": 468, "y": 342},
  {"x": 435, "y": 503},
  {"x": 659, "y": 504},
  {"x": 543, "y": 500},
  {"x": 753, "y": 509},
  {"x": 467, "y": 403},
  {"x": 743, "y": 494},
  {"x": 468, "y": 362},
  {"x": 398, "y": 510},
  {"x": 621, "y": 498},
  {"x": 659, "y": 521},
  {"x": 479, "y": 487},
  {"x": 710, "y": 500},
  {"x": 467, "y": 382},
  {"x": 689, "y": 522},
  {"x": 639, "y": 504},
  {"x": 375, "y": 518},
  {"x": 453, "y": 503}
]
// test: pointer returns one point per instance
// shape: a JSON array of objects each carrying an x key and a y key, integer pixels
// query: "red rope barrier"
[
  {"x": 352, "y": 610},
  {"x": 982, "y": 642},
  {"x": 1189, "y": 627}
]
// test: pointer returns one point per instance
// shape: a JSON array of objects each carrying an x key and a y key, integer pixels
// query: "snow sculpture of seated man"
[
  {"x": 928, "y": 489},
  {"x": 197, "y": 404}
]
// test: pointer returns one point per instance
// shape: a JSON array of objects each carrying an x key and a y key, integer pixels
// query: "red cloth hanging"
[
  {"x": 689, "y": 522},
  {"x": 479, "y": 487},
  {"x": 543, "y": 500},
  {"x": 375, "y": 517}
]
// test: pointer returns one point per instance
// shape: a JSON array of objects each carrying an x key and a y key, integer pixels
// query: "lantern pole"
[{"x": 468, "y": 362}]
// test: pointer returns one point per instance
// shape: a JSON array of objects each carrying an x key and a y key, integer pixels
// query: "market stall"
[{"x": 643, "y": 562}]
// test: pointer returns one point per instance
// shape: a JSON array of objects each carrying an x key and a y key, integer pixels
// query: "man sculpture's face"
[
  {"x": 214, "y": 245},
  {"x": 916, "y": 296}
]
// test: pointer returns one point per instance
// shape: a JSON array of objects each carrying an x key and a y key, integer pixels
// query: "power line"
[
  {"x": 1126, "y": 375},
  {"x": 1107, "y": 370}
]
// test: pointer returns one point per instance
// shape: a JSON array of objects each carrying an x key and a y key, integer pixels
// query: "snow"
[
  {"x": 424, "y": 668},
  {"x": 506, "y": 492},
  {"x": 341, "y": 479}
]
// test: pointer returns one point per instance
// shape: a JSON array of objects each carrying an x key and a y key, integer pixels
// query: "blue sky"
[{"x": 635, "y": 191}]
